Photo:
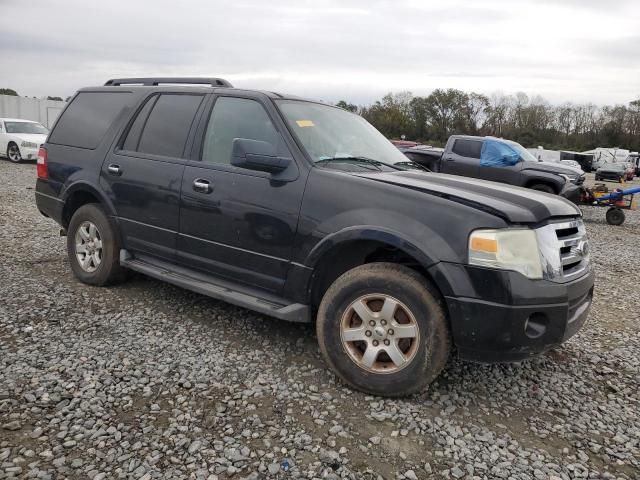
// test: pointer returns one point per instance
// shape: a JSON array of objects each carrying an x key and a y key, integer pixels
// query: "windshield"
[
  {"x": 25, "y": 127},
  {"x": 523, "y": 152},
  {"x": 328, "y": 132},
  {"x": 613, "y": 166}
]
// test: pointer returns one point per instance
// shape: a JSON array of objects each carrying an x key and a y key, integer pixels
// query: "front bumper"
[
  {"x": 571, "y": 192},
  {"x": 526, "y": 319},
  {"x": 29, "y": 153},
  {"x": 615, "y": 176}
]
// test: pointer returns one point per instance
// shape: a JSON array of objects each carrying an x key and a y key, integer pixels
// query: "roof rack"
[{"x": 154, "y": 81}]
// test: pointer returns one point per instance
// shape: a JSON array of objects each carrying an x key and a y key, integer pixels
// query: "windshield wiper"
[{"x": 354, "y": 159}]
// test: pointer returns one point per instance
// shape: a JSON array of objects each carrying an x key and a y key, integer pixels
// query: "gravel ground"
[{"x": 145, "y": 380}]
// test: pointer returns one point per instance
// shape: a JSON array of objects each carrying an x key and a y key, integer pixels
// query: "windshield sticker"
[{"x": 305, "y": 123}]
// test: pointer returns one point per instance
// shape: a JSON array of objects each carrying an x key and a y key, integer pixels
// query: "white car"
[
  {"x": 572, "y": 164},
  {"x": 21, "y": 139}
]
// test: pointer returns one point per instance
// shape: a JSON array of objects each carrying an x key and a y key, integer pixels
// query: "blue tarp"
[{"x": 495, "y": 153}]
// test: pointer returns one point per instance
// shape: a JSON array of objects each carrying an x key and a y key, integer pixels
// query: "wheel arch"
[
  {"x": 357, "y": 246},
  {"x": 542, "y": 181},
  {"x": 79, "y": 194}
]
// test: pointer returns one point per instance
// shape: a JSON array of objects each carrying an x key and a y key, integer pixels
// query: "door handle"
[
  {"x": 114, "y": 169},
  {"x": 202, "y": 186}
]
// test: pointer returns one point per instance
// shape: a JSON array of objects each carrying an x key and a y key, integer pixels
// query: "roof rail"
[{"x": 153, "y": 81}]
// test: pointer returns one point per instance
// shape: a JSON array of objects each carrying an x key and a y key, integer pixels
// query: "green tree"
[
  {"x": 55, "y": 98},
  {"x": 347, "y": 106},
  {"x": 8, "y": 91}
]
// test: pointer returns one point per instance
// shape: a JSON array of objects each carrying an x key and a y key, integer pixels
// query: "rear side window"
[
  {"x": 163, "y": 124},
  {"x": 133, "y": 136},
  {"x": 467, "y": 148},
  {"x": 86, "y": 120}
]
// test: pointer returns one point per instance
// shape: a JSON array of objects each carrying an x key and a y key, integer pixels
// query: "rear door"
[
  {"x": 242, "y": 225},
  {"x": 463, "y": 158},
  {"x": 142, "y": 175}
]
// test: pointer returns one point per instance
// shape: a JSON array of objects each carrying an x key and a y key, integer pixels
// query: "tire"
[
  {"x": 419, "y": 309},
  {"x": 104, "y": 269},
  {"x": 615, "y": 216},
  {"x": 541, "y": 187},
  {"x": 13, "y": 153}
]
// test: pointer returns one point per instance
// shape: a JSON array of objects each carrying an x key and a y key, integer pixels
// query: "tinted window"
[
  {"x": 233, "y": 118},
  {"x": 85, "y": 122},
  {"x": 133, "y": 137},
  {"x": 166, "y": 130},
  {"x": 467, "y": 148}
]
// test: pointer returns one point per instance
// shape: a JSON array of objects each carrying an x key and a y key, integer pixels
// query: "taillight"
[{"x": 42, "y": 168}]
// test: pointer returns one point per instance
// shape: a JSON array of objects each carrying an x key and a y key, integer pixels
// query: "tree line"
[{"x": 531, "y": 121}]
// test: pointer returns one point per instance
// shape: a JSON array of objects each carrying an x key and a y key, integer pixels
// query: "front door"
[
  {"x": 234, "y": 222},
  {"x": 142, "y": 175},
  {"x": 463, "y": 159}
]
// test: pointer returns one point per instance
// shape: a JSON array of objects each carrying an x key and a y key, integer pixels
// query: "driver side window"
[{"x": 233, "y": 118}]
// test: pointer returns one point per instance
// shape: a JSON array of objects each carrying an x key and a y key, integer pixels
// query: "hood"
[
  {"x": 514, "y": 204},
  {"x": 612, "y": 168},
  {"x": 29, "y": 137},
  {"x": 550, "y": 167}
]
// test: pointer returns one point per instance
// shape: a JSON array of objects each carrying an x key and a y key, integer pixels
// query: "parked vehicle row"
[
  {"x": 617, "y": 172},
  {"x": 21, "y": 139},
  {"x": 293, "y": 208}
]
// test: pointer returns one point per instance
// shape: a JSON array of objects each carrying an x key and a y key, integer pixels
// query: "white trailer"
[{"x": 603, "y": 155}]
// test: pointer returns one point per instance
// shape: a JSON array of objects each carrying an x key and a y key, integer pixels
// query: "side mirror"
[
  {"x": 257, "y": 155},
  {"x": 511, "y": 160}
]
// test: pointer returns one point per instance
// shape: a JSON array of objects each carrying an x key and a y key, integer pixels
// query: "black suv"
[{"x": 294, "y": 209}]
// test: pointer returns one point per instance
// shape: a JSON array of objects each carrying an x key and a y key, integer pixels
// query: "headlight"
[
  {"x": 570, "y": 178},
  {"x": 29, "y": 145},
  {"x": 508, "y": 249}
]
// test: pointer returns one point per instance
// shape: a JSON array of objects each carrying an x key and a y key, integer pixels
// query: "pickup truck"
[
  {"x": 295, "y": 209},
  {"x": 498, "y": 160}
]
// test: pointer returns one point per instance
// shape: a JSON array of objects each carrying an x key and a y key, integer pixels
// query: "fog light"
[{"x": 536, "y": 325}]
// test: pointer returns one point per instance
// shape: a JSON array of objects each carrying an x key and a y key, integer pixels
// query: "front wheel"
[
  {"x": 383, "y": 330},
  {"x": 93, "y": 247},
  {"x": 13, "y": 153}
]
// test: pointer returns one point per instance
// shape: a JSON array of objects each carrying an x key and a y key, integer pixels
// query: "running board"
[{"x": 219, "y": 289}]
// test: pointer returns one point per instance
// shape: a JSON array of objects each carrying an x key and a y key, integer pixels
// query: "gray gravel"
[{"x": 147, "y": 381}]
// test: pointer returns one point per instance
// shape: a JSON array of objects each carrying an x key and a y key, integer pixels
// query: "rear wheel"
[
  {"x": 615, "y": 216},
  {"x": 13, "y": 153},
  {"x": 93, "y": 247},
  {"x": 382, "y": 329},
  {"x": 541, "y": 187}
]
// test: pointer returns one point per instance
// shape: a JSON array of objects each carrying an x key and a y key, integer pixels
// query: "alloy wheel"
[
  {"x": 13, "y": 152},
  {"x": 88, "y": 246},
  {"x": 379, "y": 333}
]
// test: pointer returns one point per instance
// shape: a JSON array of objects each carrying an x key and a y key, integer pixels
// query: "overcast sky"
[{"x": 571, "y": 50}]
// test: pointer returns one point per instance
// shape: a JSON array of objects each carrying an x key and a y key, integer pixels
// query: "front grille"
[
  {"x": 572, "y": 248},
  {"x": 564, "y": 249}
]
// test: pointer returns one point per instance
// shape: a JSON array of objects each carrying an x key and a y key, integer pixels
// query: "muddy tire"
[
  {"x": 382, "y": 328},
  {"x": 93, "y": 247}
]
